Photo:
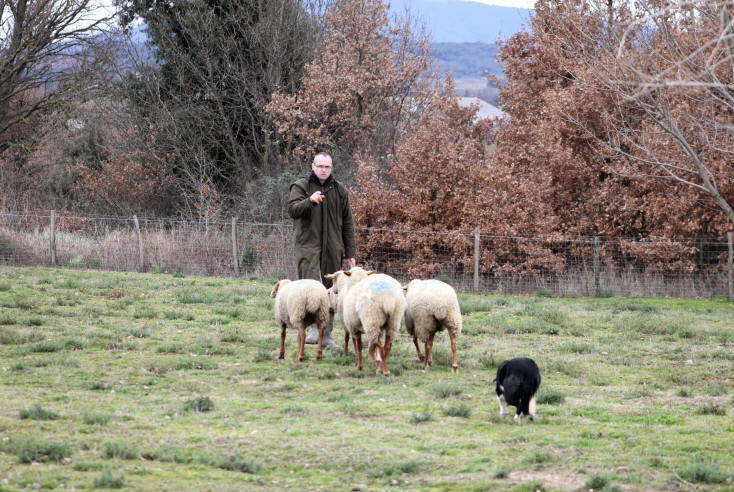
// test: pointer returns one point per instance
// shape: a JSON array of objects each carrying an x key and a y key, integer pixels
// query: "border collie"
[{"x": 516, "y": 383}]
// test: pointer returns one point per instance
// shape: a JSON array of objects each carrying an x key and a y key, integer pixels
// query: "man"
[{"x": 324, "y": 230}]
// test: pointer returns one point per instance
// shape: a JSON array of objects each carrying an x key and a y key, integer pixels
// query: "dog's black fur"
[{"x": 516, "y": 383}]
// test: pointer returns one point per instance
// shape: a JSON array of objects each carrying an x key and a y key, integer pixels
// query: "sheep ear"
[
  {"x": 348, "y": 273},
  {"x": 332, "y": 276},
  {"x": 275, "y": 289},
  {"x": 370, "y": 272},
  {"x": 405, "y": 287}
]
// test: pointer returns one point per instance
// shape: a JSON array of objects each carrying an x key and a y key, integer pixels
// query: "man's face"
[{"x": 321, "y": 167}]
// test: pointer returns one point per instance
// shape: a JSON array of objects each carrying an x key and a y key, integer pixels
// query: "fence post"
[
  {"x": 731, "y": 260},
  {"x": 140, "y": 242},
  {"x": 597, "y": 286},
  {"x": 52, "y": 237},
  {"x": 476, "y": 259},
  {"x": 234, "y": 247}
]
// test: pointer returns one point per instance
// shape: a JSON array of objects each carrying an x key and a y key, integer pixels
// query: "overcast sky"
[{"x": 526, "y": 4}]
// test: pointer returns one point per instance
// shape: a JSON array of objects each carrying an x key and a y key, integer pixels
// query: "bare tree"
[
  {"x": 44, "y": 55},
  {"x": 667, "y": 72}
]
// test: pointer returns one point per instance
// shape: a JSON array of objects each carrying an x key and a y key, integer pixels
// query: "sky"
[{"x": 526, "y": 4}]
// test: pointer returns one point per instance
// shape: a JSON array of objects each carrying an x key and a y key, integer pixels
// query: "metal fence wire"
[{"x": 470, "y": 260}]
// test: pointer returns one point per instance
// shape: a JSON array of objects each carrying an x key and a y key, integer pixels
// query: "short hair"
[{"x": 322, "y": 154}]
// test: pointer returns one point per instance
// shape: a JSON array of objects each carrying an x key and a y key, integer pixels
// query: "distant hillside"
[
  {"x": 467, "y": 59},
  {"x": 457, "y": 21}
]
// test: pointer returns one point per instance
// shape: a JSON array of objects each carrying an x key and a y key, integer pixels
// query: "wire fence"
[{"x": 470, "y": 260}]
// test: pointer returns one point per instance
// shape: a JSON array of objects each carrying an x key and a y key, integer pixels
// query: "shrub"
[
  {"x": 120, "y": 450},
  {"x": 444, "y": 390},
  {"x": 549, "y": 395},
  {"x": 109, "y": 480},
  {"x": 703, "y": 471},
  {"x": 233, "y": 462},
  {"x": 711, "y": 409},
  {"x": 200, "y": 404},
  {"x": 91, "y": 418},
  {"x": 37, "y": 412},
  {"x": 597, "y": 482},
  {"x": 32, "y": 449},
  {"x": 394, "y": 468},
  {"x": 459, "y": 410},
  {"x": 420, "y": 417}
]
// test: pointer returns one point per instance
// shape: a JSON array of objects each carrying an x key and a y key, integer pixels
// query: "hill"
[{"x": 456, "y": 21}]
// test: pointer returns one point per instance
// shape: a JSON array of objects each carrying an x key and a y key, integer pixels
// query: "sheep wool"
[
  {"x": 432, "y": 306},
  {"x": 298, "y": 304},
  {"x": 374, "y": 306}
]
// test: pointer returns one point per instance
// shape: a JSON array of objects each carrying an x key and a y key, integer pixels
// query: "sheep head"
[{"x": 277, "y": 286}]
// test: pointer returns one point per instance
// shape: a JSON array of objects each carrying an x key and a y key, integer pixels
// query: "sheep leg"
[
  {"x": 417, "y": 348},
  {"x": 321, "y": 327},
  {"x": 386, "y": 354},
  {"x": 346, "y": 342},
  {"x": 358, "y": 349},
  {"x": 429, "y": 352},
  {"x": 282, "y": 341},
  {"x": 354, "y": 342},
  {"x": 301, "y": 343},
  {"x": 376, "y": 353},
  {"x": 454, "y": 363}
]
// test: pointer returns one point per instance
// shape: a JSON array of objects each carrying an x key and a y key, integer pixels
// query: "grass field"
[{"x": 159, "y": 382}]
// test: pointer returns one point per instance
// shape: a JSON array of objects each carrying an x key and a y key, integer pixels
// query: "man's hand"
[
  {"x": 352, "y": 262},
  {"x": 317, "y": 197}
]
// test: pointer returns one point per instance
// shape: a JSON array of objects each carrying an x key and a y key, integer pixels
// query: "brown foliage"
[
  {"x": 443, "y": 178},
  {"x": 363, "y": 84},
  {"x": 619, "y": 157},
  {"x": 126, "y": 183}
]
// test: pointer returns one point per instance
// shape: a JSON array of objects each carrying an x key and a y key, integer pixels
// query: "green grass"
[{"x": 163, "y": 381}]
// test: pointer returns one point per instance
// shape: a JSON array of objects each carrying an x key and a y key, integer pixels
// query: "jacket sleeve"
[
  {"x": 350, "y": 245},
  {"x": 299, "y": 203}
]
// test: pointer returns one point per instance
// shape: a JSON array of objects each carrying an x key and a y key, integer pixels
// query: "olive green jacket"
[{"x": 324, "y": 232}]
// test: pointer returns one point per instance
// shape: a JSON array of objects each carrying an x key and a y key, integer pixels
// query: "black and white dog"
[{"x": 516, "y": 383}]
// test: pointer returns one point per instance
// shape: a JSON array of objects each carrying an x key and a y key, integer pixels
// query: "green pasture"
[{"x": 164, "y": 382}]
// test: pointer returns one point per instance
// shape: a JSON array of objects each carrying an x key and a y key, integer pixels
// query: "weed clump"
[
  {"x": 34, "y": 449},
  {"x": 549, "y": 395},
  {"x": 597, "y": 482},
  {"x": 459, "y": 410},
  {"x": 420, "y": 417},
  {"x": 37, "y": 412},
  {"x": 91, "y": 418},
  {"x": 120, "y": 450},
  {"x": 397, "y": 468},
  {"x": 109, "y": 480},
  {"x": 444, "y": 390},
  {"x": 703, "y": 471},
  {"x": 199, "y": 404},
  {"x": 711, "y": 409}
]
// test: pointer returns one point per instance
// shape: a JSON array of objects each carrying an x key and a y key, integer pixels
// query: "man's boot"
[
  {"x": 328, "y": 341},
  {"x": 313, "y": 334}
]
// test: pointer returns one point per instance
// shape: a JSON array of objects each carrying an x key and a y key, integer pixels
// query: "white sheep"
[
  {"x": 342, "y": 282},
  {"x": 298, "y": 304},
  {"x": 372, "y": 306},
  {"x": 431, "y": 307}
]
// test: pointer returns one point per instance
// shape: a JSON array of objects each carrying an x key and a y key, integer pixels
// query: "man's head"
[{"x": 321, "y": 166}]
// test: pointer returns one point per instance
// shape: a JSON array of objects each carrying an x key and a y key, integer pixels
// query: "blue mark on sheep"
[
  {"x": 308, "y": 281},
  {"x": 382, "y": 285},
  {"x": 426, "y": 283}
]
